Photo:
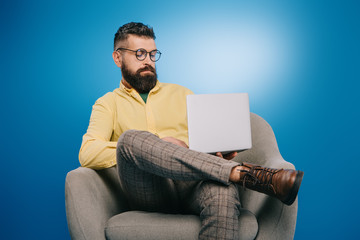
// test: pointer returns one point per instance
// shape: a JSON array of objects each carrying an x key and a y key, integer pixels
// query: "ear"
[{"x": 117, "y": 58}]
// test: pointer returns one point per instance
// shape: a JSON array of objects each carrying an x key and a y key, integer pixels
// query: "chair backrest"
[
  {"x": 268, "y": 211},
  {"x": 264, "y": 145}
]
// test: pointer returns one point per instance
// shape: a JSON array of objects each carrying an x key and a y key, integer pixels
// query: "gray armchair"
[{"x": 96, "y": 206}]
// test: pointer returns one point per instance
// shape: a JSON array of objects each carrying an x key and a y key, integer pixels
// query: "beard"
[{"x": 142, "y": 84}]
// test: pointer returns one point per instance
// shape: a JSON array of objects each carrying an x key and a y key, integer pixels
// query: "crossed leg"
[
  {"x": 218, "y": 206},
  {"x": 145, "y": 165}
]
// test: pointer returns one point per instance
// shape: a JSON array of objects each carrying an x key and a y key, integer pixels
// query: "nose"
[{"x": 147, "y": 61}]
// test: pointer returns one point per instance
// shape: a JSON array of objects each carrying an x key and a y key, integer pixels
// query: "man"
[{"x": 141, "y": 127}]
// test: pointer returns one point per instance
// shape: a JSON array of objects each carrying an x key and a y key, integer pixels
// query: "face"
[{"x": 140, "y": 75}]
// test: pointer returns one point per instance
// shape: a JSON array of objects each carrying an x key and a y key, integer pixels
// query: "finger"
[
  {"x": 230, "y": 155},
  {"x": 184, "y": 145},
  {"x": 218, "y": 154}
]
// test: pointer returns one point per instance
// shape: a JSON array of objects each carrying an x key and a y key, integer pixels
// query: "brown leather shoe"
[{"x": 283, "y": 184}]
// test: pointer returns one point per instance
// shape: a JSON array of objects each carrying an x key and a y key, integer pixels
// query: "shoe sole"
[{"x": 295, "y": 189}]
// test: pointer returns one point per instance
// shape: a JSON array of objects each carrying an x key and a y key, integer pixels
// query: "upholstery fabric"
[{"x": 157, "y": 226}]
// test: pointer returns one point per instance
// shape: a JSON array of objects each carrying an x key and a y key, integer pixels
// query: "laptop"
[{"x": 219, "y": 122}]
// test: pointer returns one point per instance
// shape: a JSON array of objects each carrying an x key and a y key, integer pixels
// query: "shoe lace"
[{"x": 259, "y": 175}]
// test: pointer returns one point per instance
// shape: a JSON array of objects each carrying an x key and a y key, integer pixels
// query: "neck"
[{"x": 126, "y": 84}]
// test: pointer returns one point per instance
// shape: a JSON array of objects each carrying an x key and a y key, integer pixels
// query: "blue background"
[{"x": 298, "y": 60}]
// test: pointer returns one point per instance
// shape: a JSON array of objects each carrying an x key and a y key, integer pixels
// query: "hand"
[
  {"x": 175, "y": 141},
  {"x": 227, "y": 156}
]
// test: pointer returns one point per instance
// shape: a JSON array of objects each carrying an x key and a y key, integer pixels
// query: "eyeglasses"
[{"x": 142, "y": 53}]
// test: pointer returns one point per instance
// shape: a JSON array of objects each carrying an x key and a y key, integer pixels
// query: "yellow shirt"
[{"x": 164, "y": 114}]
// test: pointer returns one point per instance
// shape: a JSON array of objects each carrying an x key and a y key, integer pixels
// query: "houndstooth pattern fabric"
[{"x": 150, "y": 167}]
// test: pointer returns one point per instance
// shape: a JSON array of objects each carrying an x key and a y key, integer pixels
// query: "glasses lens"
[
  {"x": 155, "y": 55},
  {"x": 141, "y": 54}
]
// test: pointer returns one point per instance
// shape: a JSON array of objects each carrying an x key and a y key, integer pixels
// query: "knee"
[
  {"x": 130, "y": 141},
  {"x": 125, "y": 137},
  {"x": 125, "y": 141}
]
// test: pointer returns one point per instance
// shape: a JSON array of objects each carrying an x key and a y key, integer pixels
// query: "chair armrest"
[
  {"x": 92, "y": 198},
  {"x": 276, "y": 220}
]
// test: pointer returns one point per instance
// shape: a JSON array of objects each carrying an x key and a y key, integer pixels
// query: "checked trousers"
[{"x": 149, "y": 166}]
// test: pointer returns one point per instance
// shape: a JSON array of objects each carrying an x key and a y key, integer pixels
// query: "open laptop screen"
[{"x": 219, "y": 122}]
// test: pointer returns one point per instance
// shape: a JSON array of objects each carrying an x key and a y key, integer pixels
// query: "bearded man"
[{"x": 141, "y": 127}]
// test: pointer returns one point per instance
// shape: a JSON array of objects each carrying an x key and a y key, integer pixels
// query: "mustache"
[{"x": 146, "y": 68}]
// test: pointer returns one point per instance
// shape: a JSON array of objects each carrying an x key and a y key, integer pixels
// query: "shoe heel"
[{"x": 295, "y": 189}]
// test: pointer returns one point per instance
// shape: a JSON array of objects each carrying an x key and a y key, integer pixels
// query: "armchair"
[{"x": 96, "y": 206}]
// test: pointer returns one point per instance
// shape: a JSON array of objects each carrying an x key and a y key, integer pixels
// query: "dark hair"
[{"x": 138, "y": 29}]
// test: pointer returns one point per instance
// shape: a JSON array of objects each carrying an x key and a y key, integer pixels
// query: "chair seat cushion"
[{"x": 158, "y": 226}]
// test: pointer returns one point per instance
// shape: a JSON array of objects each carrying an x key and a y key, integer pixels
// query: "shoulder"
[
  {"x": 172, "y": 87},
  {"x": 108, "y": 100}
]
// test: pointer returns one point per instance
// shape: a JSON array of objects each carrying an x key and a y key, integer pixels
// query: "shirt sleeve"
[{"x": 97, "y": 151}]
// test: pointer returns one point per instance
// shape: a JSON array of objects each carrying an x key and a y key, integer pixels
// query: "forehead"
[{"x": 136, "y": 42}]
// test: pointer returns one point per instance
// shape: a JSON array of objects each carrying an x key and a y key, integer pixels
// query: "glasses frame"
[{"x": 146, "y": 53}]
